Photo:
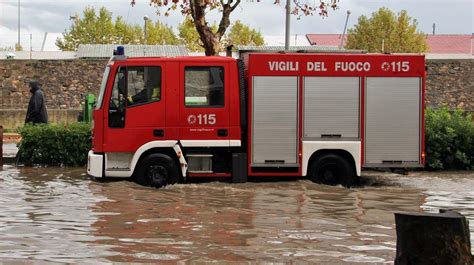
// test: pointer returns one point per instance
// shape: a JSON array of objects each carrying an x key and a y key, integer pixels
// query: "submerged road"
[{"x": 60, "y": 215}]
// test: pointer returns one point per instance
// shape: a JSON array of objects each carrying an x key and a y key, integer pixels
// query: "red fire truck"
[{"x": 318, "y": 115}]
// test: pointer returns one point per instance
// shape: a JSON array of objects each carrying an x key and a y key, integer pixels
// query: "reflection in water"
[
  {"x": 60, "y": 215},
  {"x": 181, "y": 222},
  {"x": 447, "y": 191},
  {"x": 45, "y": 215}
]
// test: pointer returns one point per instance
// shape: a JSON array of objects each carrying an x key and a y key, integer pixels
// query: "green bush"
[
  {"x": 449, "y": 139},
  {"x": 55, "y": 144},
  {"x": 10, "y": 130}
]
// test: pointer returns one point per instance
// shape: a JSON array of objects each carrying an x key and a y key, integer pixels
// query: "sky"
[{"x": 52, "y": 16}]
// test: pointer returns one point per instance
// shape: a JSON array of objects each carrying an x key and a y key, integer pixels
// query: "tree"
[
  {"x": 159, "y": 33},
  {"x": 189, "y": 36},
  {"x": 92, "y": 28},
  {"x": 126, "y": 33},
  {"x": 386, "y": 31},
  {"x": 198, "y": 9},
  {"x": 18, "y": 47},
  {"x": 240, "y": 34},
  {"x": 99, "y": 28},
  {"x": 7, "y": 49}
]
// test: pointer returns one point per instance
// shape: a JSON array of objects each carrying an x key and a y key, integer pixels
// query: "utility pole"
[
  {"x": 434, "y": 28},
  {"x": 146, "y": 19},
  {"x": 287, "y": 25},
  {"x": 144, "y": 47},
  {"x": 341, "y": 45},
  {"x": 18, "y": 43},
  {"x": 44, "y": 41},
  {"x": 31, "y": 46}
]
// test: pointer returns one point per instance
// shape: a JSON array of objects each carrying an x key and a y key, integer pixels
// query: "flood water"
[{"x": 60, "y": 215}]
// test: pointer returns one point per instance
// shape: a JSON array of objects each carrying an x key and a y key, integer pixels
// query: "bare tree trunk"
[
  {"x": 1, "y": 146},
  {"x": 211, "y": 40}
]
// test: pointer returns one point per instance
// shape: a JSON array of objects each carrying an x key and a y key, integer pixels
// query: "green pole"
[{"x": 89, "y": 106}]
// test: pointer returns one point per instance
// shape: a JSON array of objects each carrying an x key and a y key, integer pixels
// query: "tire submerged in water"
[
  {"x": 157, "y": 170},
  {"x": 332, "y": 169}
]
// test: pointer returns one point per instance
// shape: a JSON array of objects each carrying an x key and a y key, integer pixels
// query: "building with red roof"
[
  {"x": 440, "y": 45},
  {"x": 450, "y": 43},
  {"x": 324, "y": 39}
]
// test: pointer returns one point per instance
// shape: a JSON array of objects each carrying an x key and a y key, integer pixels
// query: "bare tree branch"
[
  {"x": 235, "y": 5},
  {"x": 198, "y": 10}
]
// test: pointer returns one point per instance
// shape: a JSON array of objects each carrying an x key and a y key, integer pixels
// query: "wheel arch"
[
  {"x": 340, "y": 152},
  {"x": 159, "y": 150},
  {"x": 160, "y": 147},
  {"x": 351, "y": 151}
]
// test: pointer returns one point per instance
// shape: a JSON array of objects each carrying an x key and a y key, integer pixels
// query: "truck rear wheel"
[
  {"x": 157, "y": 170},
  {"x": 332, "y": 169}
]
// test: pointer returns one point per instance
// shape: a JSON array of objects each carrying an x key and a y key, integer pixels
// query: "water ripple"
[{"x": 59, "y": 215}]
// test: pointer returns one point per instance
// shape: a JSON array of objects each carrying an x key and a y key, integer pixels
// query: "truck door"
[
  {"x": 136, "y": 109},
  {"x": 204, "y": 105}
]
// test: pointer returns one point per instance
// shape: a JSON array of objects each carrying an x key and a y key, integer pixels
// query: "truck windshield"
[{"x": 102, "y": 88}]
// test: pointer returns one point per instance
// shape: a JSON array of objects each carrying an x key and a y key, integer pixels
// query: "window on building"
[
  {"x": 143, "y": 84},
  {"x": 204, "y": 86}
]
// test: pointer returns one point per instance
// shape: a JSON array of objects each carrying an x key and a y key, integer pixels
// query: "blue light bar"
[{"x": 120, "y": 50}]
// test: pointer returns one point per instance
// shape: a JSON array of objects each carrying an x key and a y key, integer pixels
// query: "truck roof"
[
  {"x": 194, "y": 59},
  {"x": 336, "y": 54}
]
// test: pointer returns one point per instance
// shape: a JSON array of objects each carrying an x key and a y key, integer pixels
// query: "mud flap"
[
  {"x": 182, "y": 161},
  {"x": 239, "y": 168}
]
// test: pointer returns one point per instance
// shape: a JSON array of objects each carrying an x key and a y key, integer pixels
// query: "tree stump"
[
  {"x": 424, "y": 238},
  {"x": 1, "y": 146}
]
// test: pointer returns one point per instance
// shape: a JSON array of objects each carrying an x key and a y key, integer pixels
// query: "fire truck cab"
[{"x": 324, "y": 116}]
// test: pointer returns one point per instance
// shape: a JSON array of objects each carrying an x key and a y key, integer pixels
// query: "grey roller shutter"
[
  {"x": 275, "y": 121},
  {"x": 331, "y": 107},
  {"x": 393, "y": 120}
]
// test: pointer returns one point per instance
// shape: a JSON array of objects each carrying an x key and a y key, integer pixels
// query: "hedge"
[
  {"x": 59, "y": 145},
  {"x": 449, "y": 138}
]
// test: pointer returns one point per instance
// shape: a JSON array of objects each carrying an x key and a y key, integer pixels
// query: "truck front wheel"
[
  {"x": 332, "y": 169},
  {"x": 157, "y": 170}
]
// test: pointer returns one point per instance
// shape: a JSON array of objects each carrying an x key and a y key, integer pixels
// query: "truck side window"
[
  {"x": 204, "y": 86},
  {"x": 117, "y": 100},
  {"x": 144, "y": 84}
]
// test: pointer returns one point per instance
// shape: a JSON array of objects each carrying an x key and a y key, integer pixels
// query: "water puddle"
[{"x": 60, "y": 215}]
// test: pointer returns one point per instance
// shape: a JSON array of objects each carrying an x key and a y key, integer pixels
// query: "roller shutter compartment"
[
  {"x": 275, "y": 121},
  {"x": 393, "y": 119},
  {"x": 331, "y": 107}
]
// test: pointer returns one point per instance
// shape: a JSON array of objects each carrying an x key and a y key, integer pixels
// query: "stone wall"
[
  {"x": 65, "y": 82},
  {"x": 14, "y": 118},
  {"x": 451, "y": 83}
]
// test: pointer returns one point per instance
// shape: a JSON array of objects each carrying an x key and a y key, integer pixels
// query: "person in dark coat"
[{"x": 36, "y": 112}]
